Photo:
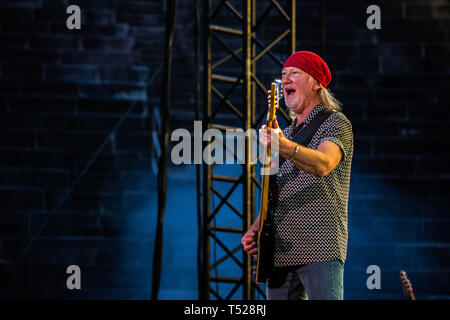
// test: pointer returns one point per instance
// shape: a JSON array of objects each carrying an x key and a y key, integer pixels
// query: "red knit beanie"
[{"x": 312, "y": 64}]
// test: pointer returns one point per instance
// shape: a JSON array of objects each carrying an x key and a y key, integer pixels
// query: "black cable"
[{"x": 164, "y": 142}]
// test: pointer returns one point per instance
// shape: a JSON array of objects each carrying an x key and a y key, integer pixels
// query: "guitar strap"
[
  {"x": 303, "y": 137},
  {"x": 305, "y": 134}
]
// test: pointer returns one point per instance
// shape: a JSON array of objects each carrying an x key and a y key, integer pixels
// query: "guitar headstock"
[
  {"x": 406, "y": 285},
  {"x": 279, "y": 91},
  {"x": 276, "y": 94}
]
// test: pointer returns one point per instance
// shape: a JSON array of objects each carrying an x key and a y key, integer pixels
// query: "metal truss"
[{"x": 236, "y": 34}]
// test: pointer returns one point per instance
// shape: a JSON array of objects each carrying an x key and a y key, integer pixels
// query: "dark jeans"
[{"x": 313, "y": 281}]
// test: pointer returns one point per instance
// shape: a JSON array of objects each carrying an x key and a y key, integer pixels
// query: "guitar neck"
[{"x": 267, "y": 155}]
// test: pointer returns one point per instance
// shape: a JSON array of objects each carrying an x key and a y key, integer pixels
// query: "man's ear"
[{"x": 317, "y": 86}]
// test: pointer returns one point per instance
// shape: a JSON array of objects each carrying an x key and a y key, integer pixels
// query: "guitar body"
[
  {"x": 265, "y": 250},
  {"x": 266, "y": 232}
]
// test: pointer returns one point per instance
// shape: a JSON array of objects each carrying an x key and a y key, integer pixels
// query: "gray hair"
[{"x": 327, "y": 99}]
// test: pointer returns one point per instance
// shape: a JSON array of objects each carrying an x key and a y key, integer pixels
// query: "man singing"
[{"x": 310, "y": 199}]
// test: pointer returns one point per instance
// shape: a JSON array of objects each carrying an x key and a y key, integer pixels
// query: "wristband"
[{"x": 295, "y": 152}]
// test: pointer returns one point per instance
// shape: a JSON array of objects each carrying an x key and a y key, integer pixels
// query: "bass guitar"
[{"x": 265, "y": 242}]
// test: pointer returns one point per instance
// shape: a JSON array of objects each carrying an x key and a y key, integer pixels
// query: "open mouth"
[{"x": 290, "y": 92}]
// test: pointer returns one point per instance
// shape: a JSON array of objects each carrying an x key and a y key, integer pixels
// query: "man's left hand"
[{"x": 267, "y": 136}]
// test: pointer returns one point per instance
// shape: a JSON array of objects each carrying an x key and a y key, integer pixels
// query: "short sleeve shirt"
[{"x": 310, "y": 213}]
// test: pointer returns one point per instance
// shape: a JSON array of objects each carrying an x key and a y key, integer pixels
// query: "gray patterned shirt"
[{"x": 310, "y": 213}]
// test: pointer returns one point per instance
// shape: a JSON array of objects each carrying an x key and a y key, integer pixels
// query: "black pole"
[
  {"x": 164, "y": 141},
  {"x": 198, "y": 166},
  {"x": 204, "y": 290}
]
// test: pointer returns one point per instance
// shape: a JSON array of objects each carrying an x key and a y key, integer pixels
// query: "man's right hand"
[{"x": 249, "y": 242}]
